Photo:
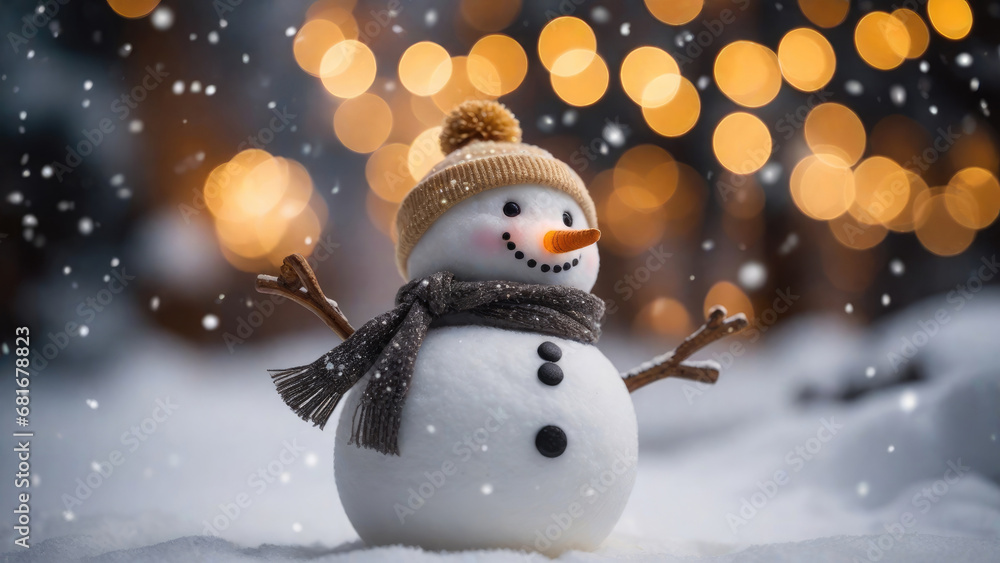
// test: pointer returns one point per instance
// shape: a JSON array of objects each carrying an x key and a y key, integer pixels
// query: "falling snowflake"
[
  {"x": 896, "y": 267},
  {"x": 210, "y": 322},
  {"x": 862, "y": 489},
  {"x": 752, "y": 275}
]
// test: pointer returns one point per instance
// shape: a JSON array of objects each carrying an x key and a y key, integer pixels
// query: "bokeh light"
[
  {"x": 920, "y": 37},
  {"x": 497, "y": 65},
  {"x": 567, "y": 46},
  {"x": 363, "y": 123},
  {"x": 748, "y": 73},
  {"x": 585, "y": 87},
  {"x": 975, "y": 197},
  {"x": 626, "y": 230},
  {"x": 822, "y": 188},
  {"x": 881, "y": 190},
  {"x": 348, "y": 69},
  {"x": 730, "y": 296},
  {"x": 825, "y": 13},
  {"x": 312, "y": 41},
  {"x": 425, "y": 68},
  {"x": 264, "y": 209},
  {"x": 640, "y": 76},
  {"x": 856, "y": 234},
  {"x": 950, "y": 18},
  {"x": 675, "y": 12},
  {"x": 680, "y": 114},
  {"x": 645, "y": 176},
  {"x": 742, "y": 143},
  {"x": 834, "y": 129},
  {"x": 665, "y": 316},
  {"x": 937, "y": 229},
  {"x": 424, "y": 153},
  {"x": 133, "y": 8},
  {"x": 807, "y": 59},
  {"x": 882, "y": 40},
  {"x": 388, "y": 172},
  {"x": 459, "y": 87}
]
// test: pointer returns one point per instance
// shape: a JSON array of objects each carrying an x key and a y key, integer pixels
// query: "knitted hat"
[{"x": 483, "y": 148}]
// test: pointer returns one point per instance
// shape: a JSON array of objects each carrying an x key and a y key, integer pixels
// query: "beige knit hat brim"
[{"x": 441, "y": 190}]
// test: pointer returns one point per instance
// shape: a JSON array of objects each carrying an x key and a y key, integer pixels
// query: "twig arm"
[
  {"x": 672, "y": 363},
  {"x": 298, "y": 282}
]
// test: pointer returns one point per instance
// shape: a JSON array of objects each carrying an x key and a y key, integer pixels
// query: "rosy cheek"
[
  {"x": 591, "y": 264},
  {"x": 486, "y": 240}
]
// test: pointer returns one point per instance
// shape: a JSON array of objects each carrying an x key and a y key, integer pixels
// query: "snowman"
[{"x": 479, "y": 413}]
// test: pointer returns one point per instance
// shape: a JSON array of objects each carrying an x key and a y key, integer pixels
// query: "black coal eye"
[
  {"x": 567, "y": 219},
  {"x": 511, "y": 209}
]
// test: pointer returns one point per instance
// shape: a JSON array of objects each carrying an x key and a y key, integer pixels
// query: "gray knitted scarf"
[{"x": 387, "y": 346}]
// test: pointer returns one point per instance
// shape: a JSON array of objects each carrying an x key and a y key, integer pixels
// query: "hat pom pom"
[{"x": 479, "y": 120}]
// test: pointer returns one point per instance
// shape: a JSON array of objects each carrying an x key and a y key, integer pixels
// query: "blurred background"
[{"x": 826, "y": 167}]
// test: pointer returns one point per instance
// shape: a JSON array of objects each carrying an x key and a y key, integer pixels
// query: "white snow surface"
[{"x": 705, "y": 453}]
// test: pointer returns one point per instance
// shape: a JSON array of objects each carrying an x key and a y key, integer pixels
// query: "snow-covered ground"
[{"x": 801, "y": 452}]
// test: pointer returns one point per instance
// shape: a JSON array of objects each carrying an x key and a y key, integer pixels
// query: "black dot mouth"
[{"x": 531, "y": 263}]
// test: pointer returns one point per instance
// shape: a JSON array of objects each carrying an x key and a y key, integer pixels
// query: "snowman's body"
[{"x": 470, "y": 474}]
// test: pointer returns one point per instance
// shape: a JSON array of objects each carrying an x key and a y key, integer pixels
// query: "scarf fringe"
[
  {"x": 375, "y": 427},
  {"x": 312, "y": 391}
]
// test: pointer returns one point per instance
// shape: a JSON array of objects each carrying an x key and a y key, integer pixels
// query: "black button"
[
  {"x": 557, "y": 269},
  {"x": 566, "y": 266},
  {"x": 545, "y": 267},
  {"x": 531, "y": 263},
  {"x": 575, "y": 261},
  {"x": 511, "y": 246},
  {"x": 506, "y": 236},
  {"x": 518, "y": 255},
  {"x": 549, "y": 351},
  {"x": 550, "y": 374},
  {"x": 551, "y": 441}
]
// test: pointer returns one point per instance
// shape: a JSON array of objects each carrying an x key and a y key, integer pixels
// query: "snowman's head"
[
  {"x": 497, "y": 209},
  {"x": 525, "y": 233}
]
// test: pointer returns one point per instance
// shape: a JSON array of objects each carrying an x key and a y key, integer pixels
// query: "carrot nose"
[{"x": 558, "y": 242}]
